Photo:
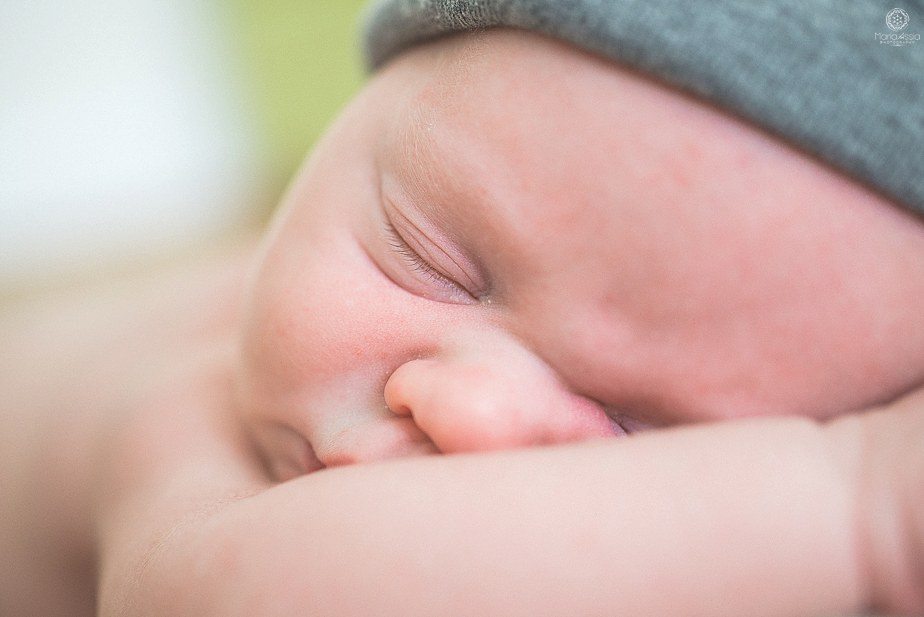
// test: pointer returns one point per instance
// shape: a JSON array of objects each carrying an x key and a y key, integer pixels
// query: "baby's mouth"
[
  {"x": 374, "y": 440},
  {"x": 283, "y": 452},
  {"x": 289, "y": 453}
]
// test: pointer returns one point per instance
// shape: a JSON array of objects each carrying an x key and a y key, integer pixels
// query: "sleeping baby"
[{"x": 536, "y": 331}]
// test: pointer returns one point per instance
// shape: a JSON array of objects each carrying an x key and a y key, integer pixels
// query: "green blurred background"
[
  {"x": 302, "y": 62},
  {"x": 141, "y": 131}
]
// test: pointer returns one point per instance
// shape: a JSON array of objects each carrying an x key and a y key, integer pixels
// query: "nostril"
[
  {"x": 406, "y": 385},
  {"x": 626, "y": 424},
  {"x": 631, "y": 425},
  {"x": 399, "y": 410},
  {"x": 618, "y": 429}
]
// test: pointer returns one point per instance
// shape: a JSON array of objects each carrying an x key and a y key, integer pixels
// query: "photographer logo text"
[{"x": 897, "y": 20}]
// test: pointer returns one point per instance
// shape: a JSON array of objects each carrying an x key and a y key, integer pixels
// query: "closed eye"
[
  {"x": 412, "y": 257},
  {"x": 430, "y": 282}
]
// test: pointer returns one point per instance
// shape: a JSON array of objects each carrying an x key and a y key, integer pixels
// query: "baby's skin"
[
  {"x": 505, "y": 243},
  {"x": 501, "y": 246}
]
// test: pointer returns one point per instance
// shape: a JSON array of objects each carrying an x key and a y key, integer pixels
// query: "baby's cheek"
[
  {"x": 323, "y": 333},
  {"x": 307, "y": 321}
]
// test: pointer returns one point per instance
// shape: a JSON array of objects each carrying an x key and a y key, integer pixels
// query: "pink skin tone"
[
  {"x": 599, "y": 248},
  {"x": 596, "y": 247}
]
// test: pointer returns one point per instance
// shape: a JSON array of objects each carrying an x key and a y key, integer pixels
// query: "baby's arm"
[{"x": 756, "y": 517}]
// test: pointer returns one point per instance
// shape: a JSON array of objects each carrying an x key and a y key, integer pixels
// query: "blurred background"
[{"x": 134, "y": 132}]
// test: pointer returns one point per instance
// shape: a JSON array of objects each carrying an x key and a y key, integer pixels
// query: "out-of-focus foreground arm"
[{"x": 755, "y": 517}]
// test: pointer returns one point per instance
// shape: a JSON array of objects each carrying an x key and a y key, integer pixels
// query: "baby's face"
[{"x": 504, "y": 242}]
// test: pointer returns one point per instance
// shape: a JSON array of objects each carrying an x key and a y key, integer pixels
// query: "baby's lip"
[
  {"x": 382, "y": 438},
  {"x": 374, "y": 440},
  {"x": 284, "y": 451}
]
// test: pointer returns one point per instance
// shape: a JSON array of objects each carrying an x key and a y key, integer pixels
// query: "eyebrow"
[
  {"x": 411, "y": 160},
  {"x": 416, "y": 146},
  {"x": 410, "y": 154}
]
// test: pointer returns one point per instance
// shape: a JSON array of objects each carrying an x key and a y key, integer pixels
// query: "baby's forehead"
[
  {"x": 756, "y": 63},
  {"x": 531, "y": 143}
]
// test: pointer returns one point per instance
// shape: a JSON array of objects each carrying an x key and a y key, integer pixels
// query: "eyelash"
[{"x": 413, "y": 259}]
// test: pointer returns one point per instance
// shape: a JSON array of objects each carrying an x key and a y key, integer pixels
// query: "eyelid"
[
  {"x": 429, "y": 249},
  {"x": 400, "y": 246},
  {"x": 414, "y": 260}
]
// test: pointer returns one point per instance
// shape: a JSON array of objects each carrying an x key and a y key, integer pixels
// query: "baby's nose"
[{"x": 489, "y": 397}]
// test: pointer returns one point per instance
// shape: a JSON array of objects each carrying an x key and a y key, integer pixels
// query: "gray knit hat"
[{"x": 841, "y": 79}]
